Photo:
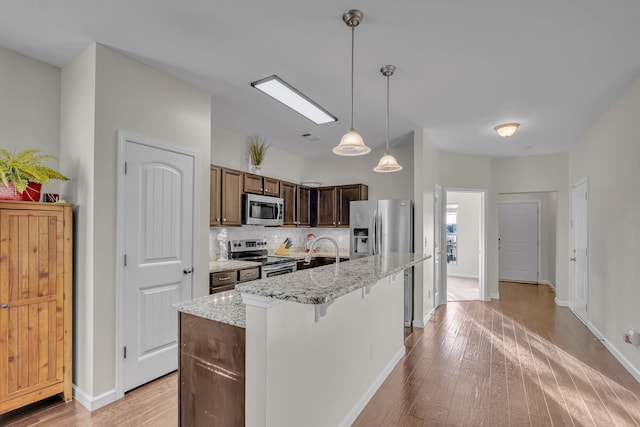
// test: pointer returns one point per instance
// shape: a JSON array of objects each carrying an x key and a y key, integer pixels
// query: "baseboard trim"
[
  {"x": 465, "y": 276},
  {"x": 548, "y": 283},
  {"x": 422, "y": 323},
  {"x": 561, "y": 303},
  {"x": 615, "y": 352},
  {"x": 495, "y": 296},
  {"x": 93, "y": 403},
  {"x": 359, "y": 406}
]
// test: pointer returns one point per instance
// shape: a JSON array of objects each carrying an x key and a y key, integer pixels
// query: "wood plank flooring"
[{"x": 519, "y": 361}]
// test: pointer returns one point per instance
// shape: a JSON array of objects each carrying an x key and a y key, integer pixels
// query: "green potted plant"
[
  {"x": 257, "y": 150},
  {"x": 22, "y": 174}
]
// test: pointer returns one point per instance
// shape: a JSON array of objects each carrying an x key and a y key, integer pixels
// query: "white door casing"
[
  {"x": 437, "y": 241},
  {"x": 157, "y": 243},
  {"x": 580, "y": 252},
  {"x": 518, "y": 237}
]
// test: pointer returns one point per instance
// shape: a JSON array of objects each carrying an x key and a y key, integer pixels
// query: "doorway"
[
  {"x": 464, "y": 232},
  {"x": 518, "y": 241},
  {"x": 580, "y": 243},
  {"x": 155, "y": 242}
]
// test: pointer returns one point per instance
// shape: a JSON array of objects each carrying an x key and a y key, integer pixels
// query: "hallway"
[{"x": 517, "y": 361}]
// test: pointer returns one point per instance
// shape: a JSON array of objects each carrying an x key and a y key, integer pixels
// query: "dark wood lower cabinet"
[{"x": 211, "y": 378}]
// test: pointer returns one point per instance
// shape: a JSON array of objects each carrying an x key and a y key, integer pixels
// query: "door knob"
[
  {"x": 572, "y": 259},
  {"x": 5, "y": 305},
  {"x": 188, "y": 270}
]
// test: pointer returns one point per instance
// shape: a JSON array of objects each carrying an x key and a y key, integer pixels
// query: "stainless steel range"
[{"x": 256, "y": 250}]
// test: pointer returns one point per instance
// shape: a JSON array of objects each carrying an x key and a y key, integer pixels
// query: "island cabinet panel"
[
  {"x": 212, "y": 373},
  {"x": 215, "y": 195},
  {"x": 231, "y": 197},
  {"x": 36, "y": 302}
]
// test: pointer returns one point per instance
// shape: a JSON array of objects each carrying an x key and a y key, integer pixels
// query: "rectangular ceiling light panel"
[{"x": 294, "y": 99}]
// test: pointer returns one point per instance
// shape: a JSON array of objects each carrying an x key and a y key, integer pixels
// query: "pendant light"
[
  {"x": 388, "y": 163},
  {"x": 351, "y": 143}
]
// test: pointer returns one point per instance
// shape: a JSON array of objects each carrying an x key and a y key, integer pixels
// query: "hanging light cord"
[
  {"x": 353, "y": 35},
  {"x": 387, "y": 114}
]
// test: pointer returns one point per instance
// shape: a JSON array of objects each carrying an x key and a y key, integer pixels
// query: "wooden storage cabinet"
[
  {"x": 231, "y": 197},
  {"x": 346, "y": 195},
  {"x": 215, "y": 195},
  {"x": 222, "y": 281},
  {"x": 303, "y": 206},
  {"x": 261, "y": 185},
  {"x": 333, "y": 203},
  {"x": 36, "y": 302},
  {"x": 296, "y": 204},
  {"x": 248, "y": 274}
]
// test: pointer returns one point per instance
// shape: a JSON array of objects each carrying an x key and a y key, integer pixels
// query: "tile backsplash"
[{"x": 276, "y": 235}]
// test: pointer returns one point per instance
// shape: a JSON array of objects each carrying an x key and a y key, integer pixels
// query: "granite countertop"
[
  {"x": 323, "y": 284},
  {"x": 217, "y": 266},
  {"x": 225, "y": 307},
  {"x": 312, "y": 286}
]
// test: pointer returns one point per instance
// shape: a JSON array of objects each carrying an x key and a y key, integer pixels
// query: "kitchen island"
[{"x": 307, "y": 348}]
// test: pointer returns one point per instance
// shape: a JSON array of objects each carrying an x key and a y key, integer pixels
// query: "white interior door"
[
  {"x": 158, "y": 220},
  {"x": 580, "y": 273},
  {"x": 437, "y": 241},
  {"x": 518, "y": 242}
]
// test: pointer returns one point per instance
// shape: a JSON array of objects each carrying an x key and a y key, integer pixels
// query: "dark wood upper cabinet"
[
  {"x": 333, "y": 203},
  {"x": 271, "y": 187},
  {"x": 252, "y": 183},
  {"x": 304, "y": 207},
  {"x": 288, "y": 192},
  {"x": 346, "y": 195},
  {"x": 231, "y": 197},
  {"x": 215, "y": 195},
  {"x": 327, "y": 197},
  {"x": 261, "y": 185}
]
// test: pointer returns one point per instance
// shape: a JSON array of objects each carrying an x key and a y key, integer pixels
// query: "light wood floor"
[
  {"x": 518, "y": 361},
  {"x": 462, "y": 289}
]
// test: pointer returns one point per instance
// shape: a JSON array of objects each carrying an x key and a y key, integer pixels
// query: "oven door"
[
  {"x": 262, "y": 210},
  {"x": 278, "y": 269}
]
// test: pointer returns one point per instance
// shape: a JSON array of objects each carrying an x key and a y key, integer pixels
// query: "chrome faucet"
[{"x": 307, "y": 258}]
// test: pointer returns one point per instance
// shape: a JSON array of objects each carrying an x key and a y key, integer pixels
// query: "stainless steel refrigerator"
[{"x": 384, "y": 226}]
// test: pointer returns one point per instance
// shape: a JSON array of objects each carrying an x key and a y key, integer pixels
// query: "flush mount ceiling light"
[
  {"x": 388, "y": 163},
  {"x": 507, "y": 129},
  {"x": 283, "y": 92},
  {"x": 351, "y": 143}
]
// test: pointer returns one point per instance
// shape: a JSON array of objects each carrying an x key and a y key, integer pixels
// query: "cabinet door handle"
[
  {"x": 217, "y": 219},
  {"x": 5, "y": 305},
  {"x": 224, "y": 278},
  {"x": 339, "y": 222}
]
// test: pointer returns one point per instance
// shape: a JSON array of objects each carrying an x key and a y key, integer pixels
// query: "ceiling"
[{"x": 463, "y": 66}]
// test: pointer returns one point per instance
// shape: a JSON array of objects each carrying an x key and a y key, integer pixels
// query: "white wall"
[
  {"x": 77, "y": 161},
  {"x": 334, "y": 170},
  {"x": 468, "y": 233},
  {"x": 136, "y": 99},
  {"x": 548, "y": 219},
  {"x": 30, "y": 107},
  {"x": 229, "y": 149},
  {"x": 608, "y": 155},
  {"x": 426, "y": 176}
]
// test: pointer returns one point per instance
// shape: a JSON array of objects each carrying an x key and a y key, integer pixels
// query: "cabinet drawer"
[
  {"x": 223, "y": 278},
  {"x": 249, "y": 274}
]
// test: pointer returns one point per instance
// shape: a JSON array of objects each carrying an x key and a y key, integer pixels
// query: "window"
[{"x": 452, "y": 237}]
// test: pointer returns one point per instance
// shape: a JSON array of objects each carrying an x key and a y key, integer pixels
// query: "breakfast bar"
[{"x": 307, "y": 348}]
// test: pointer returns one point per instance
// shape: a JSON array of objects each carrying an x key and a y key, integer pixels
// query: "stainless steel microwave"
[{"x": 262, "y": 210}]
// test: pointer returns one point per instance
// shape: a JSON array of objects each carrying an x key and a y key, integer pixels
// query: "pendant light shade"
[
  {"x": 351, "y": 143},
  {"x": 388, "y": 163}
]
